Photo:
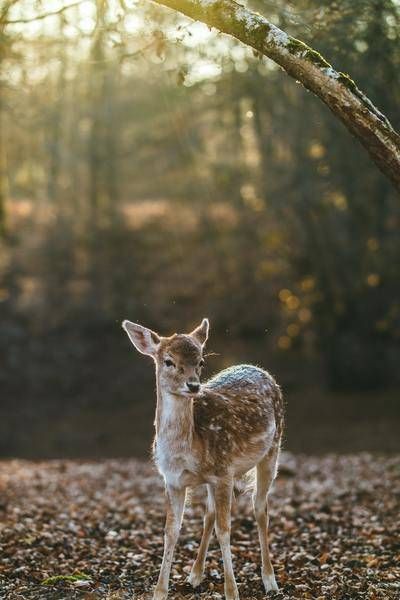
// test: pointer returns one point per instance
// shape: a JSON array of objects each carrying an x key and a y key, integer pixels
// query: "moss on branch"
[{"x": 300, "y": 49}]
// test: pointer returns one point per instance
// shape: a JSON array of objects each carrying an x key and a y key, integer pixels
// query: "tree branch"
[
  {"x": 304, "y": 64},
  {"x": 43, "y": 15}
]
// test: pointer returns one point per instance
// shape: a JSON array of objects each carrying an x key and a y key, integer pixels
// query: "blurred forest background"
[{"x": 154, "y": 170}]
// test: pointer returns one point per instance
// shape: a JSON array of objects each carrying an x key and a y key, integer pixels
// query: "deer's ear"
[
  {"x": 145, "y": 340},
  {"x": 200, "y": 334}
]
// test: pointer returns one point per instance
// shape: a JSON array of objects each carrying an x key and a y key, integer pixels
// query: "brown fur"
[{"x": 183, "y": 348}]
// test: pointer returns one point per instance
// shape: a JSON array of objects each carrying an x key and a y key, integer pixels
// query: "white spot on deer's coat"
[{"x": 213, "y": 426}]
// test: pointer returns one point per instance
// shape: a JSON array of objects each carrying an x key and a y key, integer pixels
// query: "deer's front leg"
[
  {"x": 175, "y": 506},
  {"x": 222, "y": 492}
]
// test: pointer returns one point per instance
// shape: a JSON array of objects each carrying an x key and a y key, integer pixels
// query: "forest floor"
[{"x": 93, "y": 530}]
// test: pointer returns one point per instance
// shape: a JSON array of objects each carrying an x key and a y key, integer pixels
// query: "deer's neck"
[{"x": 174, "y": 417}]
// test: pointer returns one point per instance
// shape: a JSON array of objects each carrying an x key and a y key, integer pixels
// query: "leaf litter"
[{"x": 93, "y": 530}]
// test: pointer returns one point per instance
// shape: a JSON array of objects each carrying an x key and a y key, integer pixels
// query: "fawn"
[{"x": 210, "y": 434}]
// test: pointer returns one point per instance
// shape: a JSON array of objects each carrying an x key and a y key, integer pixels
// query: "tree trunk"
[
  {"x": 55, "y": 124},
  {"x": 304, "y": 64},
  {"x": 2, "y": 173}
]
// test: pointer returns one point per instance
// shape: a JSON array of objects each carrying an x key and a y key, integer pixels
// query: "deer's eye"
[
  {"x": 169, "y": 363},
  {"x": 201, "y": 363}
]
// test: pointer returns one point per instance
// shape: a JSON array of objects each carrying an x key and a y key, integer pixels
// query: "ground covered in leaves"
[{"x": 93, "y": 530}]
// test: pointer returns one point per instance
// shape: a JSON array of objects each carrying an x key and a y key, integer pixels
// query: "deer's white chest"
[
  {"x": 176, "y": 462},
  {"x": 173, "y": 452}
]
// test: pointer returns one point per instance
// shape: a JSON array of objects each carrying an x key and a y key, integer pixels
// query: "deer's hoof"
[
  {"x": 270, "y": 583},
  {"x": 160, "y": 594},
  {"x": 195, "y": 578}
]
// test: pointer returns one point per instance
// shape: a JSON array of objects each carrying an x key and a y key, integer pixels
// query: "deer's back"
[
  {"x": 238, "y": 416},
  {"x": 242, "y": 381}
]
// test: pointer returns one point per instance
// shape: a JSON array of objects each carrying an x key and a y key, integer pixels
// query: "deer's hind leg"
[
  {"x": 197, "y": 572},
  {"x": 222, "y": 495},
  {"x": 266, "y": 470}
]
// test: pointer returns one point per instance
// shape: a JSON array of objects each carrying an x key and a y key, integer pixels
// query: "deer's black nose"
[{"x": 193, "y": 387}]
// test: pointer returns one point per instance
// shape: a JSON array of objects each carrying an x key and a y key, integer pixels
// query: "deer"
[{"x": 210, "y": 434}]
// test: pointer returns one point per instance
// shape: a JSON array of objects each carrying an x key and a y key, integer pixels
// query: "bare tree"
[
  {"x": 5, "y": 21},
  {"x": 336, "y": 89},
  {"x": 4, "y": 47}
]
